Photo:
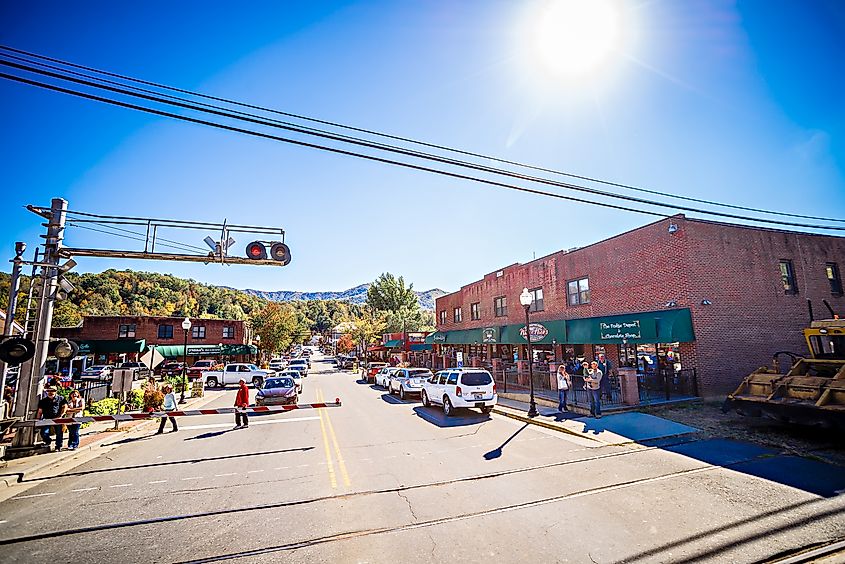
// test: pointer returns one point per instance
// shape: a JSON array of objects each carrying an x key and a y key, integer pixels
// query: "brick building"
[
  {"x": 110, "y": 339},
  {"x": 702, "y": 295}
]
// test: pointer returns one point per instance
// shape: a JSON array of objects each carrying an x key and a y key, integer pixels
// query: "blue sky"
[{"x": 742, "y": 102}]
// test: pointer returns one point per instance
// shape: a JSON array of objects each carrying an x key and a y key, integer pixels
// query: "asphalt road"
[{"x": 381, "y": 480}]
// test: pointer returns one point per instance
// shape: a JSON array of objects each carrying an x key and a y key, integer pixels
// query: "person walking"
[
  {"x": 592, "y": 380},
  {"x": 75, "y": 407},
  {"x": 51, "y": 406},
  {"x": 241, "y": 402},
  {"x": 606, "y": 368},
  {"x": 564, "y": 383},
  {"x": 169, "y": 405}
]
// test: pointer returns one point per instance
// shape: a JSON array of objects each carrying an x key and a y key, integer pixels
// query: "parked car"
[
  {"x": 171, "y": 368},
  {"x": 232, "y": 373},
  {"x": 296, "y": 375},
  {"x": 347, "y": 362},
  {"x": 372, "y": 369},
  {"x": 139, "y": 371},
  {"x": 407, "y": 381},
  {"x": 277, "y": 364},
  {"x": 460, "y": 387},
  {"x": 383, "y": 376},
  {"x": 300, "y": 362},
  {"x": 201, "y": 366},
  {"x": 99, "y": 372},
  {"x": 277, "y": 391}
]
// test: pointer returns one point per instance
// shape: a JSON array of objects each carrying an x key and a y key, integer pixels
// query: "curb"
[{"x": 540, "y": 423}]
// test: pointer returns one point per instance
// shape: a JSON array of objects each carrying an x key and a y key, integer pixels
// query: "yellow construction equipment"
[{"x": 812, "y": 392}]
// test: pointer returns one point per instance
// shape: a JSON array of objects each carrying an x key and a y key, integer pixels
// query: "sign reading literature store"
[{"x": 538, "y": 332}]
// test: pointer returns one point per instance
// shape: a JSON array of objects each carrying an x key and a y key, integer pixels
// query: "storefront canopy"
[
  {"x": 178, "y": 351},
  {"x": 395, "y": 344},
  {"x": 420, "y": 347},
  {"x": 376, "y": 348},
  {"x": 111, "y": 346},
  {"x": 664, "y": 326}
]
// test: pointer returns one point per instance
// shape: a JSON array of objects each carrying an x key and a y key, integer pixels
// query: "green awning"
[
  {"x": 178, "y": 351},
  {"x": 111, "y": 346},
  {"x": 394, "y": 344},
  {"x": 420, "y": 347},
  {"x": 234, "y": 350}
]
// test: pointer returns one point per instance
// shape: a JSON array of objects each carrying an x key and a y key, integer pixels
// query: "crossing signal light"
[
  {"x": 256, "y": 250},
  {"x": 280, "y": 252},
  {"x": 16, "y": 350}
]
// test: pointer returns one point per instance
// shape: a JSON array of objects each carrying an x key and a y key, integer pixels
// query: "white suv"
[
  {"x": 383, "y": 376},
  {"x": 460, "y": 387},
  {"x": 407, "y": 381}
]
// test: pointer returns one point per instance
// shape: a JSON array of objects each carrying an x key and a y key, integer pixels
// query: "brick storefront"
[{"x": 727, "y": 276}]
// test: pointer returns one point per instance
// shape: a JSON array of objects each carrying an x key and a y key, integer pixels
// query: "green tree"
[
  {"x": 367, "y": 326},
  {"x": 277, "y": 325},
  {"x": 389, "y": 293}
]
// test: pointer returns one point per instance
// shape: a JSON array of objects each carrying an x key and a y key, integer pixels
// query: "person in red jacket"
[{"x": 242, "y": 401}]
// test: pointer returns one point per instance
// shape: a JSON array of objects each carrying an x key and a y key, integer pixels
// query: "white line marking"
[
  {"x": 158, "y": 482},
  {"x": 3, "y": 521},
  {"x": 254, "y": 471},
  {"x": 223, "y": 475},
  {"x": 251, "y": 423},
  {"x": 303, "y": 466},
  {"x": 84, "y": 490},
  {"x": 281, "y": 467},
  {"x": 120, "y": 486},
  {"x": 33, "y": 495},
  {"x": 193, "y": 478}
]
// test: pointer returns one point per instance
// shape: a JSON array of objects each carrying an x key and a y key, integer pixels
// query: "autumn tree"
[
  {"x": 345, "y": 344},
  {"x": 278, "y": 326}
]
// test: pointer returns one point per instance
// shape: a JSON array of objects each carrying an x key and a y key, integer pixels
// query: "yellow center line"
[
  {"x": 340, "y": 462},
  {"x": 329, "y": 463}
]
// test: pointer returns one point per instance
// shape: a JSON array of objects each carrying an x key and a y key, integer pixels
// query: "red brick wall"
[
  {"x": 107, "y": 328},
  {"x": 735, "y": 268}
]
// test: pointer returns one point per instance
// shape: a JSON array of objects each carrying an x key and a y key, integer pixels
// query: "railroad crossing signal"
[{"x": 257, "y": 250}]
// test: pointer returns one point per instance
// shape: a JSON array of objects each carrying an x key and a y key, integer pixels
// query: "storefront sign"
[
  {"x": 490, "y": 335},
  {"x": 416, "y": 337},
  {"x": 195, "y": 350},
  {"x": 439, "y": 338},
  {"x": 538, "y": 332},
  {"x": 620, "y": 330}
]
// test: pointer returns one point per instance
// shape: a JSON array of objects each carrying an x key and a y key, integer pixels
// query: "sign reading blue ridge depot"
[{"x": 620, "y": 330}]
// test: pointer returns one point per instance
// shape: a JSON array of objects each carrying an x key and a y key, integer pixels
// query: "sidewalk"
[
  {"x": 613, "y": 429},
  {"x": 91, "y": 440}
]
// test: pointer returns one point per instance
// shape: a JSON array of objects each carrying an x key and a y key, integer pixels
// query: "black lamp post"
[
  {"x": 186, "y": 325},
  {"x": 525, "y": 299}
]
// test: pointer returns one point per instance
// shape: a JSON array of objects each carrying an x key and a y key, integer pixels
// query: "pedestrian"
[
  {"x": 169, "y": 405},
  {"x": 75, "y": 407},
  {"x": 241, "y": 402},
  {"x": 51, "y": 406},
  {"x": 564, "y": 383},
  {"x": 592, "y": 380},
  {"x": 606, "y": 368}
]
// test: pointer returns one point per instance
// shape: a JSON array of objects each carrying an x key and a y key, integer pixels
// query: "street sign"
[
  {"x": 460, "y": 359},
  {"x": 152, "y": 358}
]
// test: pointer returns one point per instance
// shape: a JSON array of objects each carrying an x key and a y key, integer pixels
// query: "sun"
[{"x": 573, "y": 37}]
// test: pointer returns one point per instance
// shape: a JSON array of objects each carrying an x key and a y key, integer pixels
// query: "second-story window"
[
  {"x": 578, "y": 291},
  {"x": 500, "y": 306},
  {"x": 474, "y": 312},
  {"x": 442, "y": 316},
  {"x": 228, "y": 332},
  {"x": 831, "y": 270},
  {"x": 537, "y": 299},
  {"x": 165, "y": 331},
  {"x": 198, "y": 332},
  {"x": 787, "y": 277},
  {"x": 457, "y": 315},
  {"x": 126, "y": 331}
]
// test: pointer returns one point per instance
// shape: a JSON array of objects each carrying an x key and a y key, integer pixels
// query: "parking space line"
[
  {"x": 340, "y": 462},
  {"x": 224, "y": 475},
  {"x": 84, "y": 490},
  {"x": 193, "y": 478},
  {"x": 120, "y": 486},
  {"x": 33, "y": 495},
  {"x": 155, "y": 482}
]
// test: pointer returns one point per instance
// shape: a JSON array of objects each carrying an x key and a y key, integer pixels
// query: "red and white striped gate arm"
[{"x": 185, "y": 413}]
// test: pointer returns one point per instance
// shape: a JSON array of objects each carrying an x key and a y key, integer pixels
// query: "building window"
[
  {"x": 457, "y": 315},
  {"x": 165, "y": 331},
  {"x": 787, "y": 277},
  {"x": 198, "y": 332},
  {"x": 228, "y": 332},
  {"x": 537, "y": 299},
  {"x": 442, "y": 317},
  {"x": 578, "y": 291},
  {"x": 831, "y": 269},
  {"x": 474, "y": 313},
  {"x": 500, "y": 306},
  {"x": 126, "y": 331}
]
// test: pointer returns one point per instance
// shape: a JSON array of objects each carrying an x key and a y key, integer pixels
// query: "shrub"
[
  {"x": 176, "y": 382},
  {"x": 135, "y": 400},
  {"x": 106, "y": 406}
]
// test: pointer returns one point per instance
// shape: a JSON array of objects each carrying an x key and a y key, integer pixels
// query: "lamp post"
[
  {"x": 525, "y": 299},
  {"x": 186, "y": 325},
  {"x": 258, "y": 350}
]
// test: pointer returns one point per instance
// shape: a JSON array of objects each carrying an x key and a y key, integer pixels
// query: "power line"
[
  {"x": 384, "y": 160},
  {"x": 387, "y": 136}
]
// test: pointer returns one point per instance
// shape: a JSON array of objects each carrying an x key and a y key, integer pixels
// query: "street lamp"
[
  {"x": 525, "y": 299},
  {"x": 186, "y": 325},
  {"x": 258, "y": 349}
]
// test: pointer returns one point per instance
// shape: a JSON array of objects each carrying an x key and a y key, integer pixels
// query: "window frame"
[
  {"x": 228, "y": 329},
  {"x": 831, "y": 272},
  {"x": 535, "y": 301},
  {"x": 442, "y": 316},
  {"x": 457, "y": 314},
  {"x": 127, "y": 330},
  {"x": 500, "y": 306},
  {"x": 164, "y": 334},
  {"x": 575, "y": 299},
  {"x": 475, "y": 311},
  {"x": 198, "y": 332},
  {"x": 787, "y": 277}
]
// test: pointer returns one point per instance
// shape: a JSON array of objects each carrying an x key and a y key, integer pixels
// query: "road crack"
[{"x": 410, "y": 507}]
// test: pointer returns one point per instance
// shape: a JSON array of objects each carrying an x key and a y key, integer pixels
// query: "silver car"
[
  {"x": 408, "y": 381},
  {"x": 383, "y": 376}
]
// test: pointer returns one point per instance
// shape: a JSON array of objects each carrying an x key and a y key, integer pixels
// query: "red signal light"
[{"x": 256, "y": 250}]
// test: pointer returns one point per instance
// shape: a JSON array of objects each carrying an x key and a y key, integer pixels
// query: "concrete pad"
[{"x": 628, "y": 427}]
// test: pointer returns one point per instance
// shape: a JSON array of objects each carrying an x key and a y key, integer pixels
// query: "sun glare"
[{"x": 573, "y": 37}]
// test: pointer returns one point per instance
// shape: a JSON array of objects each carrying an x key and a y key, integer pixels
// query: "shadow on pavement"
[
  {"x": 210, "y": 434},
  {"x": 497, "y": 452},
  {"x": 465, "y": 417},
  {"x": 387, "y": 398}
]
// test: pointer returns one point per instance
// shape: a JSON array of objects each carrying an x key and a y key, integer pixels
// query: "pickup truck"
[
  {"x": 139, "y": 371},
  {"x": 232, "y": 373},
  {"x": 201, "y": 366}
]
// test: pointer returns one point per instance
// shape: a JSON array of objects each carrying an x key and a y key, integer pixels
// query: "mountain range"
[{"x": 356, "y": 295}]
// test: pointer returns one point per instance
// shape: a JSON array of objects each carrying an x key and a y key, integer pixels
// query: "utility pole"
[
  {"x": 15, "y": 285},
  {"x": 32, "y": 372}
]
